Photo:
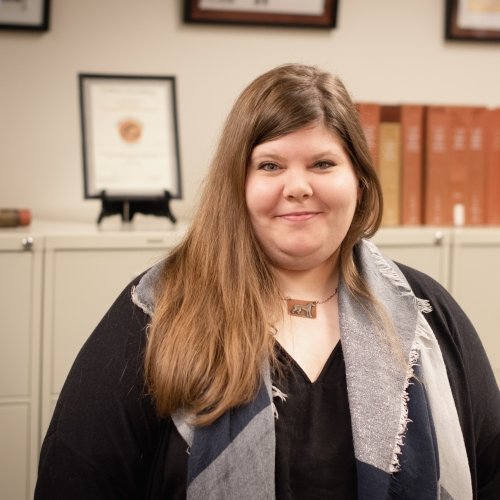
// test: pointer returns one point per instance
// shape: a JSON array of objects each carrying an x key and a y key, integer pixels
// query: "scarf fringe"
[
  {"x": 390, "y": 273},
  {"x": 423, "y": 306},
  {"x": 420, "y": 332},
  {"x": 403, "y": 419},
  {"x": 276, "y": 393},
  {"x": 139, "y": 303}
]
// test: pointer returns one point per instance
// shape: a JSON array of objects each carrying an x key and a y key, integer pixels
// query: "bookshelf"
[{"x": 446, "y": 169}]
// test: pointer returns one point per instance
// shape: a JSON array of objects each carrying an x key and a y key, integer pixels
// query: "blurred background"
[{"x": 391, "y": 51}]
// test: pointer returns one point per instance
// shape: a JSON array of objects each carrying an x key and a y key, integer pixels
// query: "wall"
[{"x": 388, "y": 50}]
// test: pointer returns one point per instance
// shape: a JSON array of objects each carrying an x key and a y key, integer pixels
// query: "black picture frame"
[
  {"x": 471, "y": 32},
  {"x": 28, "y": 15},
  {"x": 163, "y": 121},
  {"x": 221, "y": 12}
]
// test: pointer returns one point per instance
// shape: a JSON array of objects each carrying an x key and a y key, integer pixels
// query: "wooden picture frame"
[
  {"x": 295, "y": 13},
  {"x": 32, "y": 15},
  {"x": 472, "y": 20}
]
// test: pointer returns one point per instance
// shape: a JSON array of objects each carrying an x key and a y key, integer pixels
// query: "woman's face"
[{"x": 301, "y": 193}]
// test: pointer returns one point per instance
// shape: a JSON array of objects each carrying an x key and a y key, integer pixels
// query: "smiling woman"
[
  {"x": 276, "y": 353},
  {"x": 301, "y": 194}
]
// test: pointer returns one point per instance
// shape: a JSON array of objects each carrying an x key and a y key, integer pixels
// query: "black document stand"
[{"x": 128, "y": 207}]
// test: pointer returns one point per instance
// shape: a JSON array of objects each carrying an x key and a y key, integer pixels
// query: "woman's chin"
[{"x": 300, "y": 261}]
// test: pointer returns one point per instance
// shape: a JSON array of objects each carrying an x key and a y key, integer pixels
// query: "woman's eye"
[
  {"x": 269, "y": 167},
  {"x": 323, "y": 165}
]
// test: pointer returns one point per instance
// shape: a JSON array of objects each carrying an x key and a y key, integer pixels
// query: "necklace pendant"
[{"x": 301, "y": 308}]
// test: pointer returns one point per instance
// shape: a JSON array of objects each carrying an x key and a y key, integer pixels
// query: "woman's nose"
[{"x": 297, "y": 186}]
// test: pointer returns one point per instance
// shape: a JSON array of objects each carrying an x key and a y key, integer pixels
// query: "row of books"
[{"x": 438, "y": 165}]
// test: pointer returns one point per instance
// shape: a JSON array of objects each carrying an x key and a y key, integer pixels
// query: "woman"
[{"x": 219, "y": 372}]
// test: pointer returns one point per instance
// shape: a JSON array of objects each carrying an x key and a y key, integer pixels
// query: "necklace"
[{"x": 305, "y": 308}]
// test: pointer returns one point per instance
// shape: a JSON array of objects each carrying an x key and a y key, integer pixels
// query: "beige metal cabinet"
[
  {"x": 84, "y": 272},
  {"x": 424, "y": 248},
  {"x": 20, "y": 329},
  {"x": 474, "y": 279}
]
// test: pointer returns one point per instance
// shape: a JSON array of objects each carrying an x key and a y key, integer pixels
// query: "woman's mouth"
[{"x": 298, "y": 216}]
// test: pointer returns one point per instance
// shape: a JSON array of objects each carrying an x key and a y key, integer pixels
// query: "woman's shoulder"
[
  {"x": 105, "y": 424},
  {"x": 125, "y": 323},
  {"x": 144, "y": 287},
  {"x": 111, "y": 359},
  {"x": 422, "y": 282},
  {"x": 471, "y": 378},
  {"x": 441, "y": 300},
  {"x": 109, "y": 365},
  {"x": 464, "y": 355},
  {"x": 451, "y": 326}
]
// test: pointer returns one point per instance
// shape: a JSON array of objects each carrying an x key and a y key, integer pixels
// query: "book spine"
[
  {"x": 476, "y": 175},
  {"x": 390, "y": 167},
  {"x": 458, "y": 164},
  {"x": 369, "y": 116},
  {"x": 436, "y": 206},
  {"x": 412, "y": 160},
  {"x": 493, "y": 167}
]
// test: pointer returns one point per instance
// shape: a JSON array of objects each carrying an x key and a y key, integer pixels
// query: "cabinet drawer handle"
[{"x": 27, "y": 243}]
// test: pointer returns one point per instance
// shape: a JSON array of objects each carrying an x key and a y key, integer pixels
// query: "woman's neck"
[{"x": 309, "y": 284}]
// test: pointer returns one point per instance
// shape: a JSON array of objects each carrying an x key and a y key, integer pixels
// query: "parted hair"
[{"x": 217, "y": 297}]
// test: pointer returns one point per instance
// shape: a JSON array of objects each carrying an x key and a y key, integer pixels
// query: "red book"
[
  {"x": 493, "y": 166},
  {"x": 458, "y": 162},
  {"x": 369, "y": 116},
  {"x": 412, "y": 152},
  {"x": 436, "y": 207},
  {"x": 475, "y": 200}
]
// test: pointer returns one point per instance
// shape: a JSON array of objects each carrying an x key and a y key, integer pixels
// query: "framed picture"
[
  {"x": 24, "y": 15},
  {"x": 299, "y": 13},
  {"x": 473, "y": 20},
  {"x": 129, "y": 136}
]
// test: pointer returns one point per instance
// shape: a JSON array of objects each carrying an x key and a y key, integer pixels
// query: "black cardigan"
[{"x": 105, "y": 442}]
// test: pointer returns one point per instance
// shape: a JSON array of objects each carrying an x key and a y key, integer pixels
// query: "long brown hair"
[{"x": 217, "y": 298}]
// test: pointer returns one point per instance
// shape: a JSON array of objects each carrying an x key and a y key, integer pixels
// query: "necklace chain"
[
  {"x": 317, "y": 302},
  {"x": 328, "y": 298}
]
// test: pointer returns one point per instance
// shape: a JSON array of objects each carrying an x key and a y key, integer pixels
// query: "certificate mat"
[
  {"x": 296, "y": 7},
  {"x": 129, "y": 132},
  {"x": 296, "y": 13},
  {"x": 24, "y": 14}
]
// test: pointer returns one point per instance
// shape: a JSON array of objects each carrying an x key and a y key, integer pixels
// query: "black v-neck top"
[
  {"x": 105, "y": 441},
  {"x": 314, "y": 448}
]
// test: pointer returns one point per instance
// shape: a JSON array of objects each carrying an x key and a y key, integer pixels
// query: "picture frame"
[
  {"x": 277, "y": 13},
  {"x": 32, "y": 15},
  {"x": 472, "y": 20},
  {"x": 130, "y": 143}
]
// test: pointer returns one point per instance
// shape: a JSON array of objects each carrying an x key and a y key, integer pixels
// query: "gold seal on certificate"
[{"x": 130, "y": 130}]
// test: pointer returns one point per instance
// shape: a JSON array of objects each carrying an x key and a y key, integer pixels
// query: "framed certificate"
[
  {"x": 298, "y": 13},
  {"x": 473, "y": 20},
  {"x": 24, "y": 15},
  {"x": 129, "y": 136}
]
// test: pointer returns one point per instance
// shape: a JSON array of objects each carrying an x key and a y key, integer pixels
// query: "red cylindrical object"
[{"x": 12, "y": 217}]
